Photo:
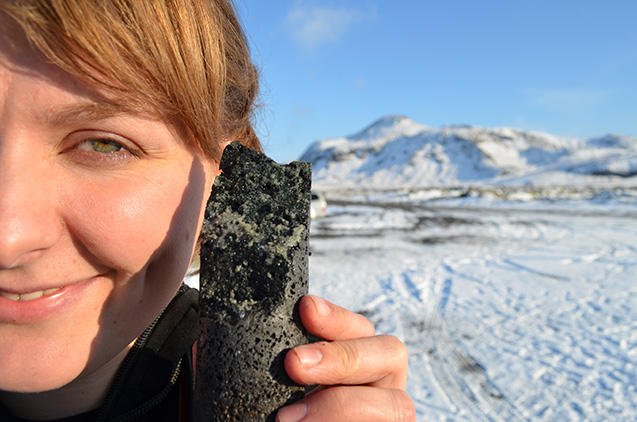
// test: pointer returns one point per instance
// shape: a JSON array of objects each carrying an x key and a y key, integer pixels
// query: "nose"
[{"x": 29, "y": 223}]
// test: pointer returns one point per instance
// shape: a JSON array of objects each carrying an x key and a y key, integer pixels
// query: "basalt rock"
[{"x": 254, "y": 256}]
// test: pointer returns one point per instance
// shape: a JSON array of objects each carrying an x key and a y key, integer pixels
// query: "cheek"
[{"x": 135, "y": 225}]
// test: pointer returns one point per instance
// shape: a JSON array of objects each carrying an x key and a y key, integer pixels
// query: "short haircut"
[{"x": 184, "y": 61}]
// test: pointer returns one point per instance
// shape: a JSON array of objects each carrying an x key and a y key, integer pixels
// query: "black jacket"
[{"x": 154, "y": 382}]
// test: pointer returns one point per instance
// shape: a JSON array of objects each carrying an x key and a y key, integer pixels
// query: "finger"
[
  {"x": 351, "y": 404},
  {"x": 379, "y": 361},
  {"x": 331, "y": 322}
]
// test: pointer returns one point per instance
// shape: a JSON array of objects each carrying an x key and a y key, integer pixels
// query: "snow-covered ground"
[{"x": 511, "y": 310}]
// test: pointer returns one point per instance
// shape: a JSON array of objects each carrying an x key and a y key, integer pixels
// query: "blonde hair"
[{"x": 186, "y": 61}]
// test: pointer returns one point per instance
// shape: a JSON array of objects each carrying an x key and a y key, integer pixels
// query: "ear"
[{"x": 222, "y": 146}]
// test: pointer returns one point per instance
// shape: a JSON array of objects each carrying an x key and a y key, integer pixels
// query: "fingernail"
[
  {"x": 292, "y": 413},
  {"x": 322, "y": 308},
  {"x": 308, "y": 355}
]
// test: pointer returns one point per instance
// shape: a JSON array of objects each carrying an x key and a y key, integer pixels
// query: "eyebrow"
[{"x": 80, "y": 113}]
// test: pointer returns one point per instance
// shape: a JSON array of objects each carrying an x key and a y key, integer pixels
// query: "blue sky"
[{"x": 330, "y": 68}]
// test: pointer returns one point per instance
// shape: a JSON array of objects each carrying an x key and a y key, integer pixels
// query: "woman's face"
[{"x": 99, "y": 212}]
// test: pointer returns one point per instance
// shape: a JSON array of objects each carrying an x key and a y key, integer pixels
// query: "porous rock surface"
[{"x": 253, "y": 271}]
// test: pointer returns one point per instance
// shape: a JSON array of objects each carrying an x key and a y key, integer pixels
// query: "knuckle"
[
  {"x": 348, "y": 356},
  {"x": 342, "y": 400},
  {"x": 334, "y": 400},
  {"x": 403, "y": 407}
]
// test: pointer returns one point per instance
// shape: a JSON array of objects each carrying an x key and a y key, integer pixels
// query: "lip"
[{"x": 26, "y": 312}]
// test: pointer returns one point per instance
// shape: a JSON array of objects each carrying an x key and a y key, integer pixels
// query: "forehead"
[{"x": 19, "y": 59}]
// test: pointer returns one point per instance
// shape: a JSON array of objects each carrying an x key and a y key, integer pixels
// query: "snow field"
[{"x": 510, "y": 311}]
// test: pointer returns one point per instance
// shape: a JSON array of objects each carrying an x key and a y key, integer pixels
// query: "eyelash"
[
  {"x": 101, "y": 150},
  {"x": 104, "y": 142}
]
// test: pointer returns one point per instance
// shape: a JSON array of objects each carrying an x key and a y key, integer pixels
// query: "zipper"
[
  {"x": 153, "y": 402},
  {"x": 124, "y": 369},
  {"x": 119, "y": 378}
]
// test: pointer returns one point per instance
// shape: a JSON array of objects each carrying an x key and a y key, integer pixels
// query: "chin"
[
  {"x": 45, "y": 381},
  {"x": 37, "y": 367}
]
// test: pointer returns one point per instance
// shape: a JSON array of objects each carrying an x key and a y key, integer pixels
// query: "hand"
[{"x": 362, "y": 376}]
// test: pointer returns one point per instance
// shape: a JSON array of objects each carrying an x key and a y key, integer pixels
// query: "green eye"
[
  {"x": 99, "y": 149},
  {"x": 104, "y": 146}
]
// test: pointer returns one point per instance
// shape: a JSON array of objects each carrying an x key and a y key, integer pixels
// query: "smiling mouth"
[{"x": 25, "y": 297}]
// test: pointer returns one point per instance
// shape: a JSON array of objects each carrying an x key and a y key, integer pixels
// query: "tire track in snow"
[
  {"x": 462, "y": 378},
  {"x": 455, "y": 375}
]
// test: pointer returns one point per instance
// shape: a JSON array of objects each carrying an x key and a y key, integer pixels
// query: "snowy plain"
[{"x": 511, "y": 310}]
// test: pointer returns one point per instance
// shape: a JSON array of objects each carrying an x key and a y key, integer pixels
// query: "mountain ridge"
[{"x": 395, "y": 151}]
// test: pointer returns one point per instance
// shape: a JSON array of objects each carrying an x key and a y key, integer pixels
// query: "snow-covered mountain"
[{"x": 397, "y": 152}]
